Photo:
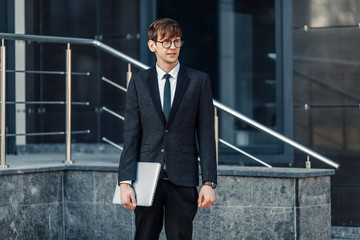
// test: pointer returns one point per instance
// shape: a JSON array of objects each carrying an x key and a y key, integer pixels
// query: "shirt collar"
[{"x": 173, "y": 73}]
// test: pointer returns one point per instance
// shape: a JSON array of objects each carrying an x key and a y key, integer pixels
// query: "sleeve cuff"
[{"x": 127, "y": 181}]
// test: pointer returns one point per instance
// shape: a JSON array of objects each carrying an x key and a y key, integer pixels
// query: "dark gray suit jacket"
[{"x": 149, "y": 138}]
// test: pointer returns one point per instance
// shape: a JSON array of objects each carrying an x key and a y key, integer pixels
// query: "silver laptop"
[{"x": 147, "y": 176}]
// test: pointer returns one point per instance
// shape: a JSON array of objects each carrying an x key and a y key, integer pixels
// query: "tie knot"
[{"x": 167, "y": 76}]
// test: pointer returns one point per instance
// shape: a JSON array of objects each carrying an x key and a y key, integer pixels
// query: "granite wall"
[
  {"x": 270, "y": 208},
  {"x": 78, "y": 205},
  {"x": 31, "y": 206}
]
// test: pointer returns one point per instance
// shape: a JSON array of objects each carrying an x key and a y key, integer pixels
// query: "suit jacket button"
[
  {"x": 166, "y": 131},
  {"x": 162, "y": 150}
]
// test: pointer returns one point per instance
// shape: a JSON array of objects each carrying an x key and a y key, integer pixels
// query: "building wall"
[
  {"x": 326, "y": 78},
  {"x": 252, "y": 203},
  {"x": 232, "y": 41},
  {"x": 113, "y": 22}
]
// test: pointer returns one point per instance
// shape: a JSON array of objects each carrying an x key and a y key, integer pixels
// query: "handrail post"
[
  {"x": 3, "y": 104},
  {"x": 128, "y": 75},
  {"x": 216, "y": 122},
  {"x": 68, "y": 106}
]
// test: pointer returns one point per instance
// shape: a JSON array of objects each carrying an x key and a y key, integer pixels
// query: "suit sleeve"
[
  {"x": 206, "y": 133},
  {"x": 132, "y": 135}
]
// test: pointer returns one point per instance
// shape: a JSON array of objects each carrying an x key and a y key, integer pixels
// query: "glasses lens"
[
  {"x": 166, "y": 44},
  {"x": 177, "y": 43}
]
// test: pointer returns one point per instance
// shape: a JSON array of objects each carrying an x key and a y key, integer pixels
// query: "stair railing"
[
  {"x": 132, "y": 61},
  {"x": 68, "y": 103}
]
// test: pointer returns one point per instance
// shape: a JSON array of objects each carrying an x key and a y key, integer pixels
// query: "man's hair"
[{"x": 164, "y": 27}]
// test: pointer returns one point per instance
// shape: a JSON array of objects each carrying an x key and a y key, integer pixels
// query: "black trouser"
[{"x": 177, "y": 204}]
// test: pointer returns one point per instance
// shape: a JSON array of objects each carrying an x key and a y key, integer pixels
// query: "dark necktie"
[{"x": 167, "y": 97}]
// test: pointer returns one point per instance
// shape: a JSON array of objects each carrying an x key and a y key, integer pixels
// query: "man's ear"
[{"x": 151, "y": 45}]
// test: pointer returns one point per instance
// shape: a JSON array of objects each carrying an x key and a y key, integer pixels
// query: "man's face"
[{"x": 165, "y": 55}]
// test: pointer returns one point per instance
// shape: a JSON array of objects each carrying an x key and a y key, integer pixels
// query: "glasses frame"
[{"x": 171, "y": 43}]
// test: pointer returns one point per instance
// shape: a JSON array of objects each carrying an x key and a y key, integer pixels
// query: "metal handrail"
[
  {"x": 48, "y": 102},
  {"x": 114, "y": 84},
  {"x": 68, "y": 104},
  {"x": 81, "y": 41},
  {"x": 275, "y": 134},
  {"x": 113, "y": 113},
  {"x": 46, "y": 133},
  {"x": 140, "y": 65},
  {"x": 245, "y": 153},
  {"x": 48, "y": 72},
  {"x": 256, "y": 125},
  {"x": 113, "y": 144}
]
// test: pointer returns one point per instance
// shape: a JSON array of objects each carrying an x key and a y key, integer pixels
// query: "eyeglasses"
[{"x": 167, "y": 43}]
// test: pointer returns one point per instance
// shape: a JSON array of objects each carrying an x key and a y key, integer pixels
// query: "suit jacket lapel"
[
  {"x": 154, "y": 92},
  {"x": 181, "y": 85}
]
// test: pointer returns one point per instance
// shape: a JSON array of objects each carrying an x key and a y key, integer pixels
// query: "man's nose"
[{"x": 172, "y": 45}]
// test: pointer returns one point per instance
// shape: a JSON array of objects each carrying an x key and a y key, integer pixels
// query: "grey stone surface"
[
  {"x": 12, "y": 193},
  {"x": 88, "y": 148},
  {"x": 314, "y": 208},
  {"x": 56, "y": 201},
  {"x": 89, "y": 186},
  {"x": 97, "y": 221},
  {"x": 97, "y": 161},
  {"x": 42, "y": 188},
  {"x": 104, "y": 185},
  {"x": 79, "y": 186},
  {"x": 274, "y": 172},
  {"x": 202, "y": 224},
  {"x": 35, "y": 221},
  {"x": 35, "y": 163},
  {"x": 89, "y": 212},
  {"x": 314, "y": 191},
  {"x": 255, "y": 191},
  {"x": 314, "y": 222},
  {"x": 338, "y": 232},
  {"x": 31, "y": 206},
  {"x": 252, "y": 223}
]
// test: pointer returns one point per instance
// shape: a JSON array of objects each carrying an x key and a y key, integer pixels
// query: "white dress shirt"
[{"x": 161, "y": 83}]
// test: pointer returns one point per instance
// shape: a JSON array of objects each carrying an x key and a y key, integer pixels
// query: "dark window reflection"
[
  {"x": 248, "y": 73},
  {"x": 326, "y": 78},
  {"x": 113, "y": 22}
]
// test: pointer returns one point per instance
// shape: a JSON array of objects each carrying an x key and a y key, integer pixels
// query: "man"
[{"x": 169, "y": 119}]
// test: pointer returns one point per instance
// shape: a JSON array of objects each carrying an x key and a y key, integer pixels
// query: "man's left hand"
[{"x": 206, "y": 196}]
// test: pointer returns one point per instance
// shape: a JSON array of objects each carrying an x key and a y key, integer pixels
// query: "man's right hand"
[{"x": 127, "y": 196}]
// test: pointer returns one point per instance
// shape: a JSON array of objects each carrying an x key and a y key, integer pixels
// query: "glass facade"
[
  {"x": 248, "y": 78},
  {"x": 239, "y": 44},
  {"x": 236, "y": 42},
  {"x": 113, "y": 22},
  {"x": 327, "y": 95}
]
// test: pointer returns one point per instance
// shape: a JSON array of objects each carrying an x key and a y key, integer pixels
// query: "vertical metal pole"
[
  {"x": 308, "y": 163},
  {"x": 216, "y": 121},
  {"x": 68, "y": 105},
  {"x": 3, "y": 104},
  {"x": 128, "y": 75}
]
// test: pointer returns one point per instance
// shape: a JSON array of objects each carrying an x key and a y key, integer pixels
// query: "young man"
[{"x": 169, "y": 118}]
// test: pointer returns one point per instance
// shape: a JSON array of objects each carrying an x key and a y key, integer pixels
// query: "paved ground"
[{"x": 43, "y": 162}]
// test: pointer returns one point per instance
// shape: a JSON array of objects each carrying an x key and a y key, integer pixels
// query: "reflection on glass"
[{"x": 247, "y": 66}]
